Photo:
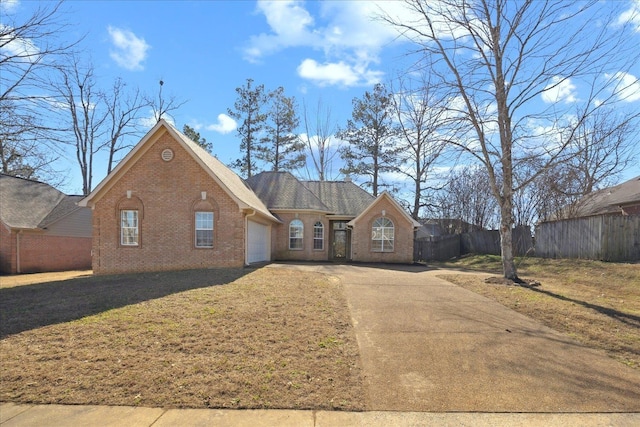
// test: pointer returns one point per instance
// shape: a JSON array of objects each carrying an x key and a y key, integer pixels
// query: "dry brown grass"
[
  {"x": 269, "y": 338},
  {"x": 596, "y": 303}
]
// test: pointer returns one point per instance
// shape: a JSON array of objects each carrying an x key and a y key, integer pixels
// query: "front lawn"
[
  {"x": 597, "y": 303},
  {"x": 266, "y": 338}
]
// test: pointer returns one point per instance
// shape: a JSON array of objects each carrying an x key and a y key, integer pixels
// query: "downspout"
[
  {"x": 18, "y": 252},
  {"x": 246, "y": 236}
]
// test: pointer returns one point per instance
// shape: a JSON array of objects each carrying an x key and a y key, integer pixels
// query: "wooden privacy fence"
[
  {"x": 440, "y": 248},
  {"x": 605, "y": 237},
  {"x": 436, "y": 248}
]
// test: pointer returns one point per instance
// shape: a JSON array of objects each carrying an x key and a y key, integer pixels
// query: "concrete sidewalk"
[{"x": 12, "y": 415}]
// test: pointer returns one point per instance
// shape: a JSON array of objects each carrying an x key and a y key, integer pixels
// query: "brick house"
[
  {"x": 41, "y": 229},
  {"x": 171, "y": 205}
]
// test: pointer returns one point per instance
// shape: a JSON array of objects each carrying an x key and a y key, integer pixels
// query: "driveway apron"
[{"x": 429, "y": 345}]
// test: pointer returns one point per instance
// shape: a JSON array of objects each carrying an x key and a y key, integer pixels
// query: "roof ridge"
[{"x": 27, "y": 179}]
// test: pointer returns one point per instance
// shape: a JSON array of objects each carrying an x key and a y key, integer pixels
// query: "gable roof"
[
  {"x": 29, "y": 204},
  {"x": 231, "y": 183},
  {"x": 387, "y": 196},
  {"x": 609, "y": 200},
  {"x": 281, "y": 190}
]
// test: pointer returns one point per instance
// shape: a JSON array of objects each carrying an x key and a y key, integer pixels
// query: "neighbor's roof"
[
  {"x": 225, "y": 177},
  {"x": 30, "y": 204},
  {"x": 281, "y": 190},
  {"x": 609, "y": 200}
]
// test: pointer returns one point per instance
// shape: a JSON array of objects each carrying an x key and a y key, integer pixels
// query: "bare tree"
[
  {"x": 162, "y": 106},
  {"x": 605, "y": 144},
  {"x": 318, "y": 138},
  {"x": 29, "y": 50},
  {"x": 22, "y": 154},
  {"x": 498, "y": 58},
  {"x": 79, "y": 96},
  {"x": 123, "y": 113},
  {"x": 420, "y": 115},
  {"x": 466, "y": 197}
]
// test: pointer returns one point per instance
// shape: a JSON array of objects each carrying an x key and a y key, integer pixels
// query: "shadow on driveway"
[{"x": 27, "y": 307}]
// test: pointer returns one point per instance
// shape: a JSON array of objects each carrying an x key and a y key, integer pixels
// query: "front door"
[
  {"x": 340, "y": 241},
  {"x": 339, "y": 244}
]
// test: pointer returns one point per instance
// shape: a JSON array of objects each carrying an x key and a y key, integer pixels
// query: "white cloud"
[
  {"x": 9, "y": 6},
  {"x": 151, "y": 120},
  {"x": 225, "y": 124},
  {"x": 627, "y": 86},
  {"x": 338, "y": 73},
  {"x": 559, "y": 90},
  {"x": 344, "y": 31},
  {"x": 18, "y": 48},
  {"x": 631, "y": 16},
  {"x": 129, "y": 50}
]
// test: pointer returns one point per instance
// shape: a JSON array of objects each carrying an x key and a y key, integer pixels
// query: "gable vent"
[{"x": 167, "y": 154}]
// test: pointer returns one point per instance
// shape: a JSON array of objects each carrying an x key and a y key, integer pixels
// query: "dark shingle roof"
[
  {"x": 342, "y": 197},
  {"x": 609, "y": 200},
  {"x": 67, "y": 205},
  {"x": 26, "y": 203},
  {"x": 281, "y": 190}
]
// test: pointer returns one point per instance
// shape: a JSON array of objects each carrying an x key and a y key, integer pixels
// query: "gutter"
[
  {"x": 18, "y": 252},
  {"x": 246, "y": 236}
]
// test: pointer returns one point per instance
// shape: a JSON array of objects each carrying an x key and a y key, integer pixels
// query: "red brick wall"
[
  {"x": 280, "y": 238},
  {"x": 40, "y": 252},
  {"x": 403, "y": 236},
  {"x": 168, "y": 193}
]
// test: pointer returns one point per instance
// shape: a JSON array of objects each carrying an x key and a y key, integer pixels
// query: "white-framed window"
[
  {"x": 129, "y": 235},
  {"x": 204, "y": 229},
  {"x": 318, "y": 236},
  {"x": 382, "y": 235},
  {"x": 296, "y": 231}
]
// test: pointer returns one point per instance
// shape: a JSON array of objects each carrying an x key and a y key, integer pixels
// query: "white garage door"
[{"x": 259, "y": 242}]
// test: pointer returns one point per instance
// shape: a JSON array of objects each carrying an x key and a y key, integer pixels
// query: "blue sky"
[{"x": 203, "y": 50}]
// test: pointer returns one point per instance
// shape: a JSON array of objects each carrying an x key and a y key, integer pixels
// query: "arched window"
[
  {"x": 382, "y": 235},
  {"x": 296, "y": 231},
  {"x": 318, "y": 236}
]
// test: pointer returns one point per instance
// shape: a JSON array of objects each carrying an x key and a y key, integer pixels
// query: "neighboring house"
[
  {"x": 171, "y": 205},
  {"x": 621, "y": 199},
  {"x": 41, "y": 229}
]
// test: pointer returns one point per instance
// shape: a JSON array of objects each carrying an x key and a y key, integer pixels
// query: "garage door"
[{"x": 259, "y": 242}]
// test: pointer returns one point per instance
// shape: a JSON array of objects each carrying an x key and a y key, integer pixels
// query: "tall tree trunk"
[{"x": 506, "y": 243}]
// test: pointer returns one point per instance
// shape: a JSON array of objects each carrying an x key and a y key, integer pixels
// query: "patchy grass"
[
  {"x": 597, "y": 303},
  {"x": 267, "y": 338}
]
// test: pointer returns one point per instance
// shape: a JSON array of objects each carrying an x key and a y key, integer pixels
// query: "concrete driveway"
[{"x": 429, "y": 345}]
